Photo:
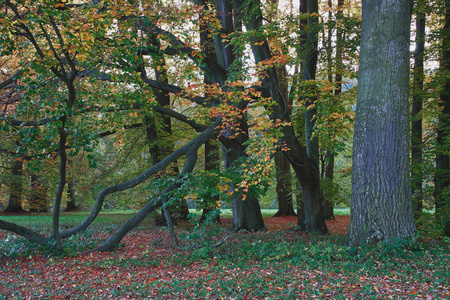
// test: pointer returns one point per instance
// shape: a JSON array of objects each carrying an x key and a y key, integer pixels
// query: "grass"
[
  {"x": 73, "y": 218},
  {"x": 277, "y": 263}
]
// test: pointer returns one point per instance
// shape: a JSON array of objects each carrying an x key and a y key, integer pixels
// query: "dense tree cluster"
[{"x": 127, "y": 103}]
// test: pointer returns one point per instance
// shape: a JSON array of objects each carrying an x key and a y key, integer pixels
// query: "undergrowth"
[{"x": 262, "y": 265}]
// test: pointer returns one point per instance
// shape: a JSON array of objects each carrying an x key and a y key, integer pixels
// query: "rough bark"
[
  {"x": 381, "y": 203},
  {"x": 416, "y": 115}
]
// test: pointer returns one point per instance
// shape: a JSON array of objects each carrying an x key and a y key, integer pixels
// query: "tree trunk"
[
  {"x": 38, "y": 197},
  {"x": 416, "y": 114},
  {"x": 159, "y": 150},
  {"x": 381, "y": 202},
  {"x": 61, "y": 183},
  {"x": 309, "y": 75},
  {"x": 305, "y": 169},
  {"x": 71, "y": 193},
  {"x": 211, "y": 163},
  {"x": 329, "y": 172},
  {"x": 442, "y": 177},
  {"x": 246, "y": 210},
  {"x": 190, "y": 150},
  {"x": 16, "y": 190},
  {"x": 284, "y": 186}
]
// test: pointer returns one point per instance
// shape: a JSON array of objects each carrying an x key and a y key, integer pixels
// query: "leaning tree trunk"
[
  {"x": 305, "y": 168},
  {"x": 381, "y": 203},
  {"x": 158, "y": 149},
  {"x": 309, "y": 75}
]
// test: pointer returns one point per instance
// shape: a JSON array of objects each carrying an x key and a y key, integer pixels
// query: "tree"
[
  {"x": 416, "y": 110},
  {"x": 16, "y": 189},
  {"x": 283, "y": 188},
  {"x": 442, "y": 176},
  {"x": 381, "y": 203},
  {"x": 304, "y": 167},
  {"x": 88, "y": 80}
]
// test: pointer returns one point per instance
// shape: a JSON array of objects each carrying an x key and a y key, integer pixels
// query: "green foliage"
[{"x": 334, "y": 192}]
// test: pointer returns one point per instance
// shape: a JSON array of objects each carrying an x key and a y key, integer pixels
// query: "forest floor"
[{"x": 279, "y": 263}]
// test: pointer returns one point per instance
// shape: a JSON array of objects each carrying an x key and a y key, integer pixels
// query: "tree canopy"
[{"x": 117, "y": 100}]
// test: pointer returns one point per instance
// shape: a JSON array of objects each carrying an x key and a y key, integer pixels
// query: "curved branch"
[
  {"x": 185, "y": 150},
  {"x": 190, "y": 151},
  {"x": 25, "y": 232}
]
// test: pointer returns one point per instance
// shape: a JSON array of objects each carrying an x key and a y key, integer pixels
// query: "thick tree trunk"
[
  {"x": 16, "y": 190},
  {"x": 284, "y": 186},
  {"x": 246, "y": 211},
  {"x": 306, "y": 170},
  {"x": 442, "y": 177},
  {"x": 247, "y": 214},
  {"x": 381, "y": 203},
  {"x": 309, "y": 75},
  {"x": 416, "y": 115}
]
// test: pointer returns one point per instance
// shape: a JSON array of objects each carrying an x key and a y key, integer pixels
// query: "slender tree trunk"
[
  {"x": 442, "y": 177},
  {"x": 282, "y": 166},
  {"x": 62, "y": 182},
  {"x": 381, "y": 203},
  {"x": 211, "y": 163},
  {"x": 16, "y": 190},
  {"x": 329, "y": 158},
  {"x": 158, "y": 149},
  {"x": 71, "y": 194},
  {"x": 190, "y": 150},
  {"x": 284, "y": 188},
  {"x": 305, "y": 169},
  {"x": 416, "y": 114},
  {"x": 38, "y": 197},
  {"x": 329, "y": 174}
]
